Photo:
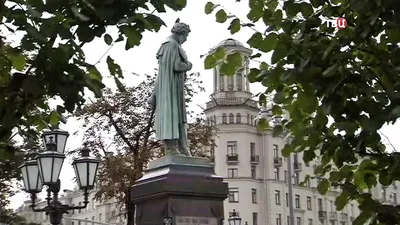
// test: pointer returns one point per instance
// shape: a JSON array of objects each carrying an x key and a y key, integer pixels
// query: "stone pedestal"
[{"x": 185, "y": 189}]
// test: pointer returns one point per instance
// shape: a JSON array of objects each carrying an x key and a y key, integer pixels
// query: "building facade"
[
  {"x": 251, "y": 162},
  {"x": 96, "y": 213}
]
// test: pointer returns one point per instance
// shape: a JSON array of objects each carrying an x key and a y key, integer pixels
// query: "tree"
[
  {"x": 48, "y": 62},
  {"x": 319, "y": 73},
  {"x": 9, "y": 217},
  {"x": 122, "y": 122}
]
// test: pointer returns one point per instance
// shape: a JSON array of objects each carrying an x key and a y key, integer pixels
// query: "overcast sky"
[{"x": 206, "y": 33}]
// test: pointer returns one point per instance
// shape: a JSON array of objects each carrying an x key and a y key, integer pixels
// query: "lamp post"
[
  {"x": 234, "y": 219},
  {"x": 44, "y": 169}
]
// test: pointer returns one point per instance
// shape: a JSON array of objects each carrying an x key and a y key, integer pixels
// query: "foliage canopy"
[{"x": 316, "y": 73}]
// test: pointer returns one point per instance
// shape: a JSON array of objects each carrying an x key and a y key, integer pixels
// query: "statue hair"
[{"x": 180, "y": 28}]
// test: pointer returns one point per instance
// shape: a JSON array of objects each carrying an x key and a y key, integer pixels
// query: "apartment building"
[{"x": 252, "y": 164}]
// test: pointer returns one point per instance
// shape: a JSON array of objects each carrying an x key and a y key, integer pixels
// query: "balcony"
[
  {"x": 254, "y": 159},
  {"x": 297, "y": 167},
  {"x": 232, "y": 158},
  {"x": 333, "y": 215},
  {"x": 322, "y": 215},
  {"x": 344, "y": 217},
  {"x": 277, "y": 162}
]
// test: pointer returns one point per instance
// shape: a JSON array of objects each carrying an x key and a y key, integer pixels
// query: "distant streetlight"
[
  {"x": 44, "y": 169},
  {"x": 234, "y": 219}
]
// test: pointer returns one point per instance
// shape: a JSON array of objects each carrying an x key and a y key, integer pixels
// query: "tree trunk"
[{"x": 130, "y": 209}]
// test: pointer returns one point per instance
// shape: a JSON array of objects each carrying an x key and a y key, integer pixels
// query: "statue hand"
[{"x": 190, "y": 65}]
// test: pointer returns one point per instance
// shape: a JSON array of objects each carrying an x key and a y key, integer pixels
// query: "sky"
[{"x": 136, "y": 62}]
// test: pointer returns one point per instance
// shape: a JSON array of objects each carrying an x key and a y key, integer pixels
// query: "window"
[
  {"x": 215, "y": 120},
  {"x": 238, "y": 118},
  {"x": 93, "y": 218},
  {"x": 93, "y": 203},
  {"x": 394, "y": 198},
  {"x": 233, "y": 195},
  {"x": 287, "y": 200},
  {"x": 310, "y": 222},
  {"x": 255, "y": 218},
  {"x": 222, "y": 82},
  {"x": 298, "y": 220},
  {"x": 309, "y": 203},
  {"x": 232, "y": 147},
  {"x": 288, "y": 220},
  {"x": 320, "y": 206},
  {"x": 239, "y": 80},
  {"x": 230, "y": 83},
  {"x": 352, "y": 209},
  {"x": 331, "y": 205},
  {"x": 251, "y": 120},
  {"x": 252, "y": 149},
  {"x": 231, "y": 118},
  {"x": 73, "y": 211},
  {"x": 297, "y": 201},
  {"x": 278, "y": 219},
  {"x": 248, "y": 118},
  {"x": 286, "y": 175},
  {"x": 72, "y": 223},
  {"x": 86, "y": 220},
  {"x": 254, "y": 195},
  {"x": 79, "y": 204},
  {"x": 224, "y": 118},
  {"x": 100, "y": 219},
  {"x": 233, "y": 173},
  {"x": 79, "y": 222},
  {"x": 277, "y": 197},
  {"x": 253, "y": 172},
  {"x": 276, "y": 151},
  {"x": 296, "y": 178},
  {"x": 276, "y": 173}
]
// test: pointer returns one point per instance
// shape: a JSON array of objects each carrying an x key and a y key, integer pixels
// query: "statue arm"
[{"x": 181, "y": 66}]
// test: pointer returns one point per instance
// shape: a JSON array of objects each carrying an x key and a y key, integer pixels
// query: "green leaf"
[
  {"x": 119, "y": 84},
  {"x": 210, "y": 62},
  {"x": 227, "y": 69},
  {"x": 75, "y": 11},
  {"x": 280, "y": 52},
  {"x": 269, "y": 42},
  {"x": 54, "y": 118},
  {"x": 95, "y": 74},
  {"x": 342, "y": 200},
  {"x": 330, "y": 71},
  {"x": 115, "y": 69},
  {"x": 263, "y": 124},
  {"x": 323, "y": 186},
  {"x": 221, "y": 16},
  {"x": 235, "y": 26},
  {"x": 317, "y": 3},
  {"x": 287, "y": 150},
  {"x": 370, "y": 125},
  {"x": 306, "y": 9},
  {"x": 17, "y": 60},
  {"x": 279, "y": 97},
  {"x": 134, "y": 36},
  {"x": 209, "y": 8},
  {"x": 255, "y": 40},
  {"x": 108, "y": 39},
  {"x": 235, "y": 59}
]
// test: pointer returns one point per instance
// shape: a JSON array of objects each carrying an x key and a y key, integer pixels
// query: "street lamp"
[
  {"x": 45, "y": 170},
  {"x": 234, "y": 219}
]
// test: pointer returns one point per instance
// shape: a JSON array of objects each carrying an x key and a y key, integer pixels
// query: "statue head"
[{"x": 181, "y": 31}]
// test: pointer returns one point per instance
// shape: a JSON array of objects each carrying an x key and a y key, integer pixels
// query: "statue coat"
[{"x": 168, "y": 97}]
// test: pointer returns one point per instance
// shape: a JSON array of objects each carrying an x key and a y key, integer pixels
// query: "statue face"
[{"x": 182, "y": 38}]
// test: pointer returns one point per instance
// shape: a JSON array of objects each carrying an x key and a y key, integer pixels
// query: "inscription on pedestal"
[{"x": 184, "y": 220}]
